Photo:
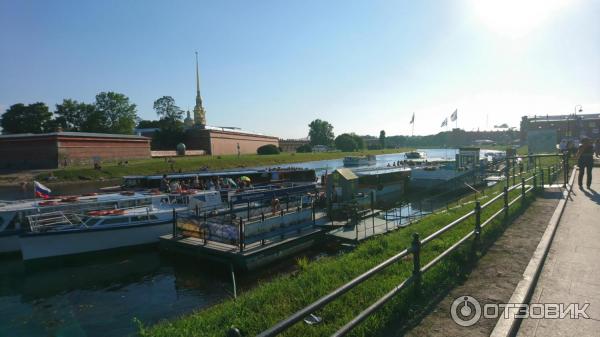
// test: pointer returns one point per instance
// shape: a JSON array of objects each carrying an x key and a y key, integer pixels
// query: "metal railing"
[{"x": 526, "y": 185}]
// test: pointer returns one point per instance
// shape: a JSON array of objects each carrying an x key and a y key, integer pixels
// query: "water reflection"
[{"x": 101, "y": 297}]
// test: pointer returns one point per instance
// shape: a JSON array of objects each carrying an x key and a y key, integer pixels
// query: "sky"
[{"x": 274, "y": 66}]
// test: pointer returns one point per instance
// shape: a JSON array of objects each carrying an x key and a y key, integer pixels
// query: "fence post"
[
  {"x": 174, "y": 224},
  {"x": 549, "y": 175},
  {"x": 373, "y": 210},
  {"x": 542, "y": 178},
  {"x": 241, "y": 230},
  {"x": 416, "y": 251},
  {"x": 505, "y": 192},
  {"x": 534, "y": 181},
  {"x": 507, "y": 171},
  {"x": 477, "y": 226},
  {"x": 522, "y": 191},
  {"x": 565, "y": 169}
]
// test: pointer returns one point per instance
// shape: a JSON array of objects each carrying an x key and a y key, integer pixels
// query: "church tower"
[
  {"x": 199, "y": 113},
  {"x": 188, "y": 121}
]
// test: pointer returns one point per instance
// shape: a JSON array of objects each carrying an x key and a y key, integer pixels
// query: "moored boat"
[{"x": 359, "y": 160}]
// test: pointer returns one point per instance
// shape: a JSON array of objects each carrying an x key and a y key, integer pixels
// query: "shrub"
[
  {"x": 304, "y": 148},
  {"x": 267, "y": 149}
]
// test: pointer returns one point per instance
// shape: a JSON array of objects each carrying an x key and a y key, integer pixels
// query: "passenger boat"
[
  {"x": 359, "y": 160},
  {"x": 257, "y": 177},
  {"x": 415, "y": 155},
  {"x": 141, "y": 221},
  {"x": 15, "y": 216}
]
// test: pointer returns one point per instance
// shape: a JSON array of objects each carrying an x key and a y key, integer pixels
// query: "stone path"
[
  {"x": 571, "y": 272},
  {"x": 496, "y": 274}
]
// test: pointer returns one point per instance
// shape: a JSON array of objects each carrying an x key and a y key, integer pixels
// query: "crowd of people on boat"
[{"x": 209, "y": 184}]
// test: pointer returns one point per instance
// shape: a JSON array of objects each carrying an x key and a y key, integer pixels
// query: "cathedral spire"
[{"x": 199, "y": 113}]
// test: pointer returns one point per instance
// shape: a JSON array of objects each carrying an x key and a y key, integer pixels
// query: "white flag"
[
  {"x": 445, "y": 122},
  {"x": 412, "y": 119},
  {"x": 454, "y": 115}
]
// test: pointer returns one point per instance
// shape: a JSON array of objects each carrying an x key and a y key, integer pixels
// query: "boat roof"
[
  {"x": 224, "y": 173},
  {"x": 380, "y": 170}
]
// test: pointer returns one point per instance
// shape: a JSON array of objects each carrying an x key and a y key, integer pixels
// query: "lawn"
[{"x": 112, "y": 170}]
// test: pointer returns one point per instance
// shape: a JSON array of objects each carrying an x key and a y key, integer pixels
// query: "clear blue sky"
[{"x": 273, "y": 66}]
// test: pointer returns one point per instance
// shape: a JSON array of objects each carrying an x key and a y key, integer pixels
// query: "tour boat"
[
  {"x": 359, "y": 160},
  {"x": 14, "y": 215},
  {"x": 138, "y": 220},
  {"x": 415, "y": 155}
]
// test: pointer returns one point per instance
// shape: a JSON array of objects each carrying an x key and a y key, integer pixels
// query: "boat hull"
[
  {"x": 53, "y": 244},
  {"x": 9, "y": 242}
]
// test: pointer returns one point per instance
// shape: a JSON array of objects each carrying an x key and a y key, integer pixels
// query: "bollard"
[{"x": 416, "y": 273}]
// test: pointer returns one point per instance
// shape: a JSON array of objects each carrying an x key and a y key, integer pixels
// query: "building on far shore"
[
  {"x": 217, "y": 140},
  {"x": 291, "y": 145},
  {"x": 57, "y": 149},
  {"x": 565, "y": 126}
]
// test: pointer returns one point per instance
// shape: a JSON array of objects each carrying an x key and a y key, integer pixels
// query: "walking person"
[
  {"x": 585, "y": 161},
  {"x": 597, "y": 148}
]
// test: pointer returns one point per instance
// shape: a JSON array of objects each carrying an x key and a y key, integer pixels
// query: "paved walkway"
[
  {"x": 571, "y": 272},
  {"x": 496, "y": 274}
]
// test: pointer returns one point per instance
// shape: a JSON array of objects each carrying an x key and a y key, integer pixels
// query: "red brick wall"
[
  {"x": 218, "y": 142},
  {"x": 23, "y": 153},
  {"x": 82, "y": 150},
  {"x": 52, "y": 151},
  {"x": 226, "y": 142}
]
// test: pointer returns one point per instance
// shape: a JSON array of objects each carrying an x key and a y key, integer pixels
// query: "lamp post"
[{"x": 575, "y": 114}]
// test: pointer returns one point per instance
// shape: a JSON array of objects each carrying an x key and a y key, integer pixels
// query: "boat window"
[
  {"x": 201, "y": 198},
  {"x": 116, "y": 220},
  {"x": 138, "y": 218}
]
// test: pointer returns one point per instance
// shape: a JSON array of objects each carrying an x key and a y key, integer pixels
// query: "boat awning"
[{"x": 347, "y": 173}]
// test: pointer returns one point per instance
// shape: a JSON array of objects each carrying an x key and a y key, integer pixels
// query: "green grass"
[
  {"x": 269, "y": 302},
  {"x": 159, "y": 165}
]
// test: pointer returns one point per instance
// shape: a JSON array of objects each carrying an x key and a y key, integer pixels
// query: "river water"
[{"x": 102, "y": 295}]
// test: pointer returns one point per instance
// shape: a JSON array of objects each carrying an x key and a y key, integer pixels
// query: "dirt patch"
[{"x": 496, "y": 274}]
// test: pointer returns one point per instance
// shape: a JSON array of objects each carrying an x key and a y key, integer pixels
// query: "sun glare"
[{"x": 516, "y": 18}]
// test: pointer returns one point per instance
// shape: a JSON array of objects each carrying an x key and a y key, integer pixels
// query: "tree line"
[
  {"x": 110, "y": 113},
  {"x": 321, "y": 133}
]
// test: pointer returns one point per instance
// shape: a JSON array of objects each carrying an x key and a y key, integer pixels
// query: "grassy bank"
[
  {"x": 160, "y": 165},
  {"x": 269, "y": 302}
]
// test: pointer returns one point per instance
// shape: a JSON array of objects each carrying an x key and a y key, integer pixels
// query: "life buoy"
[
  {"x": 127, "y": 193},
  {"x": 95, "y": 213},
  {"x": 116, "y": 212},
  {"x": 70, "y": 199},
  {"x": 48, "y": 203}
]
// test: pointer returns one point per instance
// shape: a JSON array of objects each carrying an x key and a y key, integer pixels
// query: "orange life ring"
[
  {"x": 48, "y": 203},
  {"x": 116, "y": 212}
]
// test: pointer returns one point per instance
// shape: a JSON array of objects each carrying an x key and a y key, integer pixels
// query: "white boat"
[
  {"x": 359, "y": 160},
  {"x": 15, "y": 216}
]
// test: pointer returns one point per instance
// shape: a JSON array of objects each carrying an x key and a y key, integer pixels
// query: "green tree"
[
  {"x": 32, "y": 118},
  {"x": 166, "y": 109},
  {"x": 119, "y": 115},
  {"x": 74, "y": 116},
  {"x": 320, "y": 132},
  {"x": 360, "y": 143},
  {"x": 147, "y": 124},
  {"x": 346, "y": 142},
  {"x": 382, "y": 139}
]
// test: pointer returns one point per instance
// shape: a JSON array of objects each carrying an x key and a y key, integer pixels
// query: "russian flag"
[{"x": 41, "y": 191}]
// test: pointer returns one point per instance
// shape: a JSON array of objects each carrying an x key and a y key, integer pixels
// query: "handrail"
[{"x": 321, "y": 302}]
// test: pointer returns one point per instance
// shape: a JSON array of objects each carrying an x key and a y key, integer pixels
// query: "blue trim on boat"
[
  {"x": 11, "y": 232},
  {"x": 87, "y": 230}
]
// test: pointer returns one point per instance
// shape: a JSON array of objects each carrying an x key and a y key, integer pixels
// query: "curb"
[{"x": 508, "y": 326}]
